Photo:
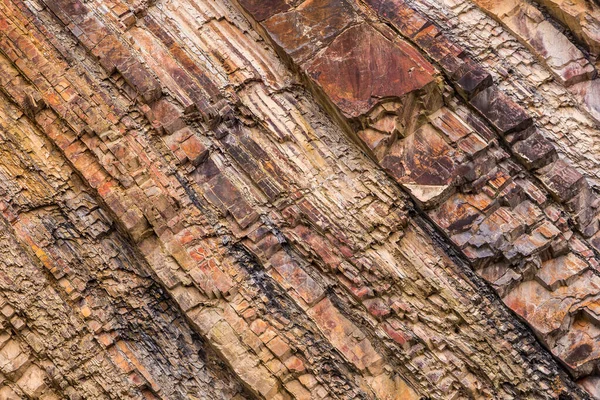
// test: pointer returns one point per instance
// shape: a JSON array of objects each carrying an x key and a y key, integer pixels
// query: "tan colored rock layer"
[{"x": 181, "y": 219}]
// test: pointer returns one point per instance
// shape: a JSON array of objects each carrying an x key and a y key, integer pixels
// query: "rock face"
[{"x": 299, "y": 199}]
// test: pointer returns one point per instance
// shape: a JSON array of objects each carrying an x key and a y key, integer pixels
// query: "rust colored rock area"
[
  {"x": 361, "y": 67},
  {"x": 289, "y": 199},
  {"x": 311, "y": 26},
  {"x": 355, "y": 65}
]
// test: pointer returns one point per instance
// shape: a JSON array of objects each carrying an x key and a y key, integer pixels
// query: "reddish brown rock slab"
[
  {"x": 166, "y": 115},
  {"x": 303, "y": 31},
  {"x": 548, "y": 311},
  {"x": 68, "y": 9},
  {"x": 450, "y": 124},
  {"x": 579, "y": 349},
  {"x": 533, "y": 243},
  {"x": 361, "y": 67},
  {"x": 470, "y": 78},
  {"x": 226, "y": 196},
  {"x": 561, "y": 271},
  {"x": 498, "y": 228},
  {"x": 503, "y": 113},
  {"x": 456, "y": 215},
  {"x": 407, "y": 20},
  {"x": 591, "y": 311},
  {"x": 562, "y": 180},
  {"x": 501, "y": 276},
  {"x": 425, "y": 160},
  {"x": 263, "y": 9},
  {"x": 536, "y": 151},
  {"x": 194, "y": 150},
  {"x": 544, "y": 311}
]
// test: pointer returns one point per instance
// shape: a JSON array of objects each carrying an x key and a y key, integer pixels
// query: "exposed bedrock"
[{"x": 293, "y": 199}]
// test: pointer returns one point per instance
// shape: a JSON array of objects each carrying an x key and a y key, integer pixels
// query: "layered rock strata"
[
  {"x": 498, "y": 195},
  {"x": 203, "y": 199}
]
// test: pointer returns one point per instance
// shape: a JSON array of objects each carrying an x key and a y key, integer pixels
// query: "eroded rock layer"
[{"x": 299, "y": 199}]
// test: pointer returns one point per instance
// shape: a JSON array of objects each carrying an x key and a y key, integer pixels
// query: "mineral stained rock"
[{"x": 299, "y": 199}]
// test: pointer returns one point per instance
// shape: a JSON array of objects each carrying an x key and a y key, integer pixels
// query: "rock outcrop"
[{"x": 299, "y": 199}]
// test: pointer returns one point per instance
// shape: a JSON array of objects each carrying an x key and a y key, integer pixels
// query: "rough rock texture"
[{"x": 298, "y": 199}]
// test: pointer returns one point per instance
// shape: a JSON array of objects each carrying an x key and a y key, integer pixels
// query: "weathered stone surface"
[
  {"x": 424, "y": 162},
  {"x": 581, "y": 17},
  {"x": 186, "y": 207},
  {"x": 561, "y": 271},
  {"x": 562, "y": 180},
  {"x": 524, "y": 20},
  {"x": 504, "y": 114},
  {"x": 361, "y": 67},
  {"x": 303, "y": 31},
  {"x": 499, "y": 223},
  {"x": 535, "y": 151},
  {"x": 588, "y": 94},
  {"x": 262, "y": 10}
]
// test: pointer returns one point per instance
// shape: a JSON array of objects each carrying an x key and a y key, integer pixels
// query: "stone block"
[
  {"x": 536, "y": 151},
  {"x": 385, "y": 68},
  {"x": 450, "y": 124},
  {"x": 503, "y": 113},
  {"x": 422, "y": 160},
  {"x": 562, "y": 180},
  {"x": 561, "y": 271},
  {"x": 303, "y": 31},
  {"x": 168, "y": 116},
  {"x": 226, "y": 196},
  {"x": 194, "y": 150},
  {"x": 11, "y": 357},
  {"x": 32, "y": 381},
  {"x": 470, "y": 78},
  {"x": 263, "y": 9},
  {"x": 407, "y": 20},
  {"x": 456, "y": 215},
  {"x": 141, "y": 80}
]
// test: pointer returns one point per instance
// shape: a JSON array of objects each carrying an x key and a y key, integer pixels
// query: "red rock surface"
[{"x": 361, "y": 67}]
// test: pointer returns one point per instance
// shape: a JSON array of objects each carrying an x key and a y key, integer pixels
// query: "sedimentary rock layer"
[{"x": 287, "y": 199}]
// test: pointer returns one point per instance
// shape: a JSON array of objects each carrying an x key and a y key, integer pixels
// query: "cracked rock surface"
[{"x": 299, "y": 199}]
